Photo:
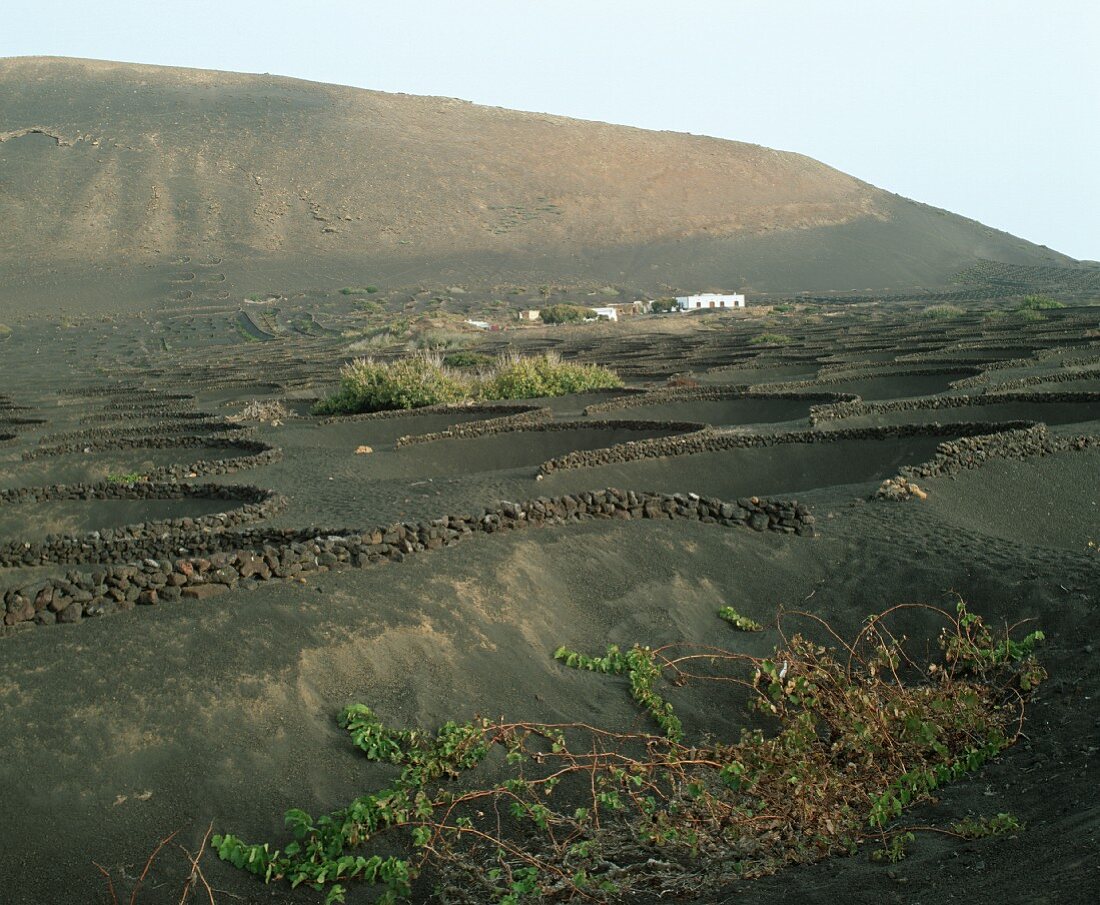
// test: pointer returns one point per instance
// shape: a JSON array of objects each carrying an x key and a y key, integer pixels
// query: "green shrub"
[
  {"x": 469, "y": 361},
  {"x": 565, "y": 314},
  {"x": 662, "y": 306},
  {"x": 358, "y": 290},
  {"x": 770, "y": 339},
  {"x": 1038, "y": 303},
  {"x": 372, "y": 386},
  {"x": 130, "y": 477},
  {"x": 439, "y": 340},
  {"x": 369, "y": 386},
  {"x": 545, "y": 375},
  {"x": 942, "y": 312},
  {"x": 5, "y": 330}
]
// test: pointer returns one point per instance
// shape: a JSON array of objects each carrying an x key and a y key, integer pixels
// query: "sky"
[{"x": 989, "y": 108}]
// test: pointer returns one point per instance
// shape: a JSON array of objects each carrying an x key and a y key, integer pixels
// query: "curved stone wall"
[
  {"x": 521, "y": 420},
  {"x": 508, "y": 426},
  {"x": 261, "y": 556},
  {"x": 820, "y": 414},
  {"x": 713, "y": 441},
  {"x": 113, "y": 544},
  {"x": 443, "y": 409},
  {"x": 666, "y": 395},
  {"x": 125, "y": 438}
]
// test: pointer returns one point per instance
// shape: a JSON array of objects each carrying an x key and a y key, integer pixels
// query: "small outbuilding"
[{"x": 708, "y": 300}]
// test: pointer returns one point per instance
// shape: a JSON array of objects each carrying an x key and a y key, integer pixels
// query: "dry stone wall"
[
  {"x": 526, "y": 419},
  {"x": 261, "y": 556},
  {"x": 113, "y": 544},
  {"x": 714, "y": 441},
  {"x": 965, "y": 453},
  {"x": 61, "y": 444},
  {"x": 508, "y": 426},
  {"x": 821, "y": 414},
  {"x": 442, "y": 409},
  {"x": 667, "y": 395}
]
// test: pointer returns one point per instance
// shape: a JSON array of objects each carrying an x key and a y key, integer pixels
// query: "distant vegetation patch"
[
  {"x": 370, "y": 306},
  {"x": 419, "y": 380},
  {"x": 468, "y": 360},
  {"x": 130, "y": 477},
  {"x": 770, "y": 339},
  {"x": 5, "y": 331},
  {"x": 359, "y": 290},
  {"x": 662, "y": 306},
  {"x": 942, "y": 312},
  {"x": 1038, "y": 303},
  {"x": 441, "y": 340},
  {"x": 565, "y": 314}
]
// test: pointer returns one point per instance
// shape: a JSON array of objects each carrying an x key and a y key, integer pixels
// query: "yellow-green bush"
[
  {"x": 545, "y": 375},
  {"x": 367, "y": 385}
]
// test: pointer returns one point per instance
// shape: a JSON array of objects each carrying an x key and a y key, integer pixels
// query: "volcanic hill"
[{"x": 112, "y": 175}]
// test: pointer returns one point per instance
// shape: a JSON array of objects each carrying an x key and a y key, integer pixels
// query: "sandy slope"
[{"x": 119, "y": 165}]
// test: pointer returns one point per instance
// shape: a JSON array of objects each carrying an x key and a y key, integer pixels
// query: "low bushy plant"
[
  {"x": 130, "y": 477},
  {"x": 545, "y": 375},
  {"x": 1039, "y": 303},
  {"x": 367, "y": 385},
  {"x": 470, "y": 361},
  {"x": 565, "y": 314},
  {"x": 770, "y": 339},
  {"x": 942, "y": 312},
  {"x": 370, "y": 306}
]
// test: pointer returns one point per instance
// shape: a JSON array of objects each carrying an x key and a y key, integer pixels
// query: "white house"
[
  {"x": 710, "y": 300},
  {"x": 610, "y": 312}
]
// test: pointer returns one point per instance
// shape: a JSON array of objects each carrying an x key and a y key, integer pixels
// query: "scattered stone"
[{"x": 899, "y": 489}]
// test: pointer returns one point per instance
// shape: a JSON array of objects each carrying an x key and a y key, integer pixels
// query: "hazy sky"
[{"x": 990, "y": 108}]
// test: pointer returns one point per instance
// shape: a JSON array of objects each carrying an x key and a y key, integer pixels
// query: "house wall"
[{"x": 708, "y": 300}]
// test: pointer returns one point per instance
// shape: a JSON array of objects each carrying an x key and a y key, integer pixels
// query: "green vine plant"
[
  {"x": 742, "y": 623},
  {"x": 497, "y": 811}
]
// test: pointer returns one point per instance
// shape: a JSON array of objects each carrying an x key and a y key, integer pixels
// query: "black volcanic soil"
[
  {"x": 720, "y": 412},
  {"x": 99, "y": 465},
  {"x": 33, "y": 521},
  {"x": 119, "y": 730}
]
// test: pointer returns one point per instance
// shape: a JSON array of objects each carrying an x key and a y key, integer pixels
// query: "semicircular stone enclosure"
[{"x": 199, "y": 572}]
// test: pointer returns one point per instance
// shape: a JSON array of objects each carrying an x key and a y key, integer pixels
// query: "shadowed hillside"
[{"x": 113, "y": 175}]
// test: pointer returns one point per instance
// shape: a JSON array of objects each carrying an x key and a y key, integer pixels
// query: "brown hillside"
[{"x": 114, "y": 163}]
